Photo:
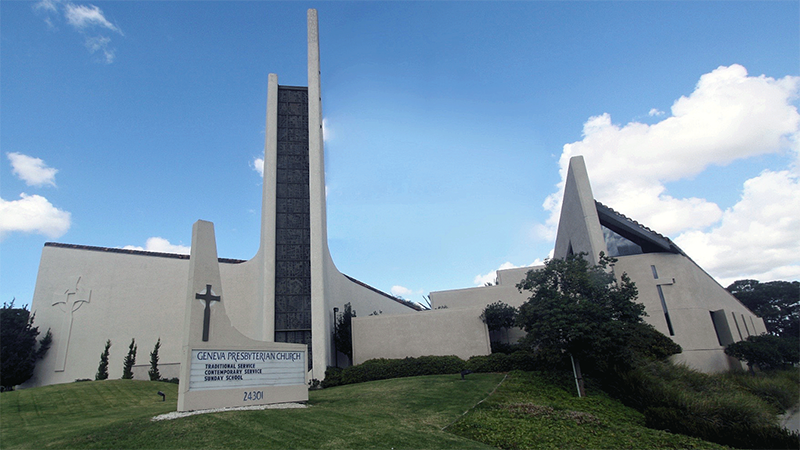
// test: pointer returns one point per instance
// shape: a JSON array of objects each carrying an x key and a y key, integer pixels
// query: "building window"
[
  {"x": 746, "y": 328},
  {"x": 618, "y": 245},
  {"x": 753, "y": 324},
  {"x": 737, "y": 326},
  {"x": 716, "y": 329},
  {"x": 721, "y": 327},
  {"x": 666, "y": 311},
  {"x": 655, "y": 272}
]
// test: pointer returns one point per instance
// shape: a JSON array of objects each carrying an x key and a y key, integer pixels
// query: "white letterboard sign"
[{"x": 221, "y": 369}]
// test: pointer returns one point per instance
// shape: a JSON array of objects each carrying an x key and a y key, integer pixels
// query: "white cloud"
[
  {"x": 82, "y": 17},
  {"x": 45, "y": 5},
  {"x": 327, "y": 133},
  {"x": 258, "y": 166},
  {"x": 100, "y": 43},
  {"x": 729, "y": 116},
  {"x": 758, "y": 238},
  {"x": 33, "y": 171},
  {"x": 404, "y": 292},
  {"x": 161, "y": 245},
  {"x": 32, "y": 214},
  {"x": 655, "y": 112}
]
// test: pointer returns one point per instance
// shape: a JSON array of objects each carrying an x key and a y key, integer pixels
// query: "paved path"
[{"x": 791, "y": 419}]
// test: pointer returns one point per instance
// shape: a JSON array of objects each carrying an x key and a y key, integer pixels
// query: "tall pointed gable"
[{"x": 579, "y": 225}]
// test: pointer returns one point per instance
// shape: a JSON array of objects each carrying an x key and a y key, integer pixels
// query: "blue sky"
[{"x": 448, "y": 127}]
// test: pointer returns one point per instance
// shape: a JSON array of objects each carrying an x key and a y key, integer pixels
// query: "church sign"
[{"x": 221, "y": 369}]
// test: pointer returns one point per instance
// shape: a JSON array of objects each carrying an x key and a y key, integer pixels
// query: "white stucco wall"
[
  {"x": 132, "y": 296},
  {"x": 690, "y": 299},
  {"x": 505, "y": 290},
  {"x": 442, "y": 332}
]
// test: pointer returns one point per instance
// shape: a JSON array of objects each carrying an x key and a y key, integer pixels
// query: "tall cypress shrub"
[
  {"x": 102, "y": 368},
  {"x": 130, "y": 360},
  {"x": 153, "y": 372}
]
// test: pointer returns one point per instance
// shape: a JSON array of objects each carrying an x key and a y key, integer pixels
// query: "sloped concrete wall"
[{"x": 690, "y": 295}]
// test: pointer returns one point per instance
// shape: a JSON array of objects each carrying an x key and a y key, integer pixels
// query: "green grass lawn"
[
  {"x": 524, "y": 412},
  {"x": 400, "y": 413}
]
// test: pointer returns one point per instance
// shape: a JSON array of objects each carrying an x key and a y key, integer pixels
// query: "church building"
[
  {"x": 681, "y": 300},
  {"x": 289, "y": 290}
]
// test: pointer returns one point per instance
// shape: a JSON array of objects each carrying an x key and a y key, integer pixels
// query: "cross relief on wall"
[
  {"x": 68, "y": 301},
  {"x": 663, "y": 281}
]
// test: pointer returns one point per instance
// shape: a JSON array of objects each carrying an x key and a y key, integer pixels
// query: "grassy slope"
[
  {"x": 530, "y": 411},
  {"x": 398, "y": 413}
]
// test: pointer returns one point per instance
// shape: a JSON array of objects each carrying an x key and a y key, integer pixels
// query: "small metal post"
[{"x": 574, "y": 372}]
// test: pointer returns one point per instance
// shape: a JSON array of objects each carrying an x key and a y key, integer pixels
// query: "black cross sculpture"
[{"x": 208, "y": 297}]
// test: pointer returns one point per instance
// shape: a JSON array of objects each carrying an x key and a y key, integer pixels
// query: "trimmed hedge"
[
  {"x": 381, "y": 369},
  {"x": 733, "y": 433}
]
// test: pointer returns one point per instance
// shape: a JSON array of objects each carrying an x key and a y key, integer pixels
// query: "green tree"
[
  {"x": 130, "y": 360},
  {"x": 343, "y": 332},
  {"x": 767, "y": 351},
  {"x": 777, "y": 302},
  {"x": 18, "y": 349},
  {"x": 582, "y": 311},
  {"x": 102, "y": 368},
  {"x": 499, "y": 316},
  {"x": 153, "y": 372}
]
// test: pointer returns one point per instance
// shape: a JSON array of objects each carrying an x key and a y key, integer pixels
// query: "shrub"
[
  {"x": 766, "y": 351},
  {"x": 129, "y": 362},
  {"x": 738, "y": 434},
  {"x": 153, "y": 373},
  {"x": 496, "y": 362},
  {"x": 381, "y": 369},
  {"x": 333, "y": 377},
  {"x": 102, "y": 368},
  {"x": 18, "y": 346},
  {"x": 501, "y": 362},
  {"x": 503, "y": 347},
  {"x": 710, "y": 407},
  {"x": 498, "y": 315},
  {"x": 781, "y": 389}
]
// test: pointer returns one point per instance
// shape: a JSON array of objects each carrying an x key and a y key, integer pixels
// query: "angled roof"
[
  {"x": 134, "y": 252},
  {"x": 644, "y": 237},
  {"x": 404, "y": 302}
]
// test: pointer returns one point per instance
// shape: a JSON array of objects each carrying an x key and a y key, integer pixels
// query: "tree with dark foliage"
[
  {"x": 767, "y": 352},
  {"x": 584, "y": 312},
  {"x": 343, "y": 334},
  {"x": 18, "y": 349},
  {"x": 777, "y": 302},
  {"x": 499, "y": 316}
]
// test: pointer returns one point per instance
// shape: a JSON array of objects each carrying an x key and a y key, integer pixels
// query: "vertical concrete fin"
[
  {"x": 266, "y": 252},
  {"x": 318, "y": 219},
  {"x": 579, "y": 225},
  {"x": 204, "y": 279}
]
